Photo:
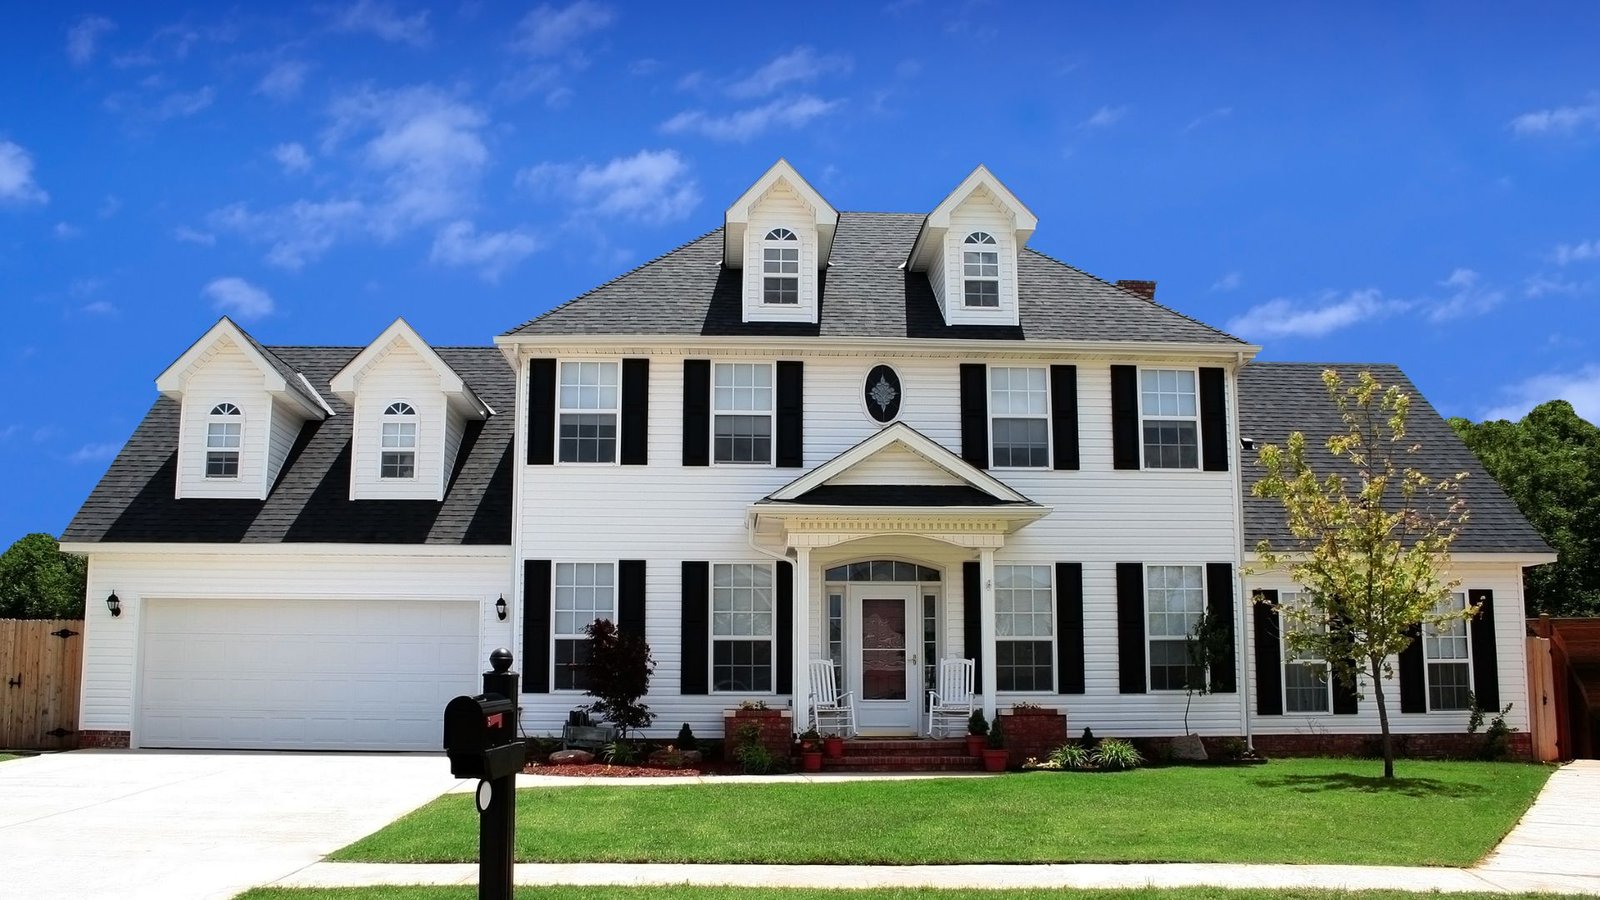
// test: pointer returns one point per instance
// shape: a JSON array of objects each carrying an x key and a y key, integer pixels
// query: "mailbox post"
[{"x": 480, "y": 737}]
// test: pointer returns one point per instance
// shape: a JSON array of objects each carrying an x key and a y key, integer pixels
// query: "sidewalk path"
[{"x": 1555, "y": 848}]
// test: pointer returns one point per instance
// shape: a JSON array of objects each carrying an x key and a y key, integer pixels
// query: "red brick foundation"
[
  {"x": 1032, "y": 733},
  {"x": 1417, "y": 746},
  {"x": 776, "y": 727},
  {"x": 104, "y": 740}
]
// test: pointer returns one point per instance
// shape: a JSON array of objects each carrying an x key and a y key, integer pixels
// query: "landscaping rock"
[
  {"x": 571, "y": 758},
  {"x": 675, "y": 758},
  {"x": 1188, "y": 747}
]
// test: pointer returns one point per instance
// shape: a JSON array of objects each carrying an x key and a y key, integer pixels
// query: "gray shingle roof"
[
  {"x": 1276, "y": 399},
  {"x": 290, "y": 373},
  {"x": 310, "y": 502},
  {"x": 864, "y": 293}
]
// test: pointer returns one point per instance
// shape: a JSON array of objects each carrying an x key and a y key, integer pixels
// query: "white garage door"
[{"x": 304, "y": 674}]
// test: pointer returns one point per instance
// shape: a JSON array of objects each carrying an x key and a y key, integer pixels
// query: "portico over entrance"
[{"x": 887, "y": 540}]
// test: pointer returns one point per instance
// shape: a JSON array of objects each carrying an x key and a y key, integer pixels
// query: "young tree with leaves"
[
  {"x": 1371, "y": 540},
  {"x": 620, "y": 666}
]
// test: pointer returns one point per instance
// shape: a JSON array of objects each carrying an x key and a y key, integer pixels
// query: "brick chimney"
[{"x": 1145, "y": 289}]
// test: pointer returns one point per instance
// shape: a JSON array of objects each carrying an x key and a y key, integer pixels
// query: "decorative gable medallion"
[{"x": 882, "y": 393}]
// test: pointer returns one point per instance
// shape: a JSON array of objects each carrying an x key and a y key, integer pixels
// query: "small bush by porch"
[{"x": 1288, "y": 811}]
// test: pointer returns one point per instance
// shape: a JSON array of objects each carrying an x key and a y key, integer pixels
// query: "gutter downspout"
[{"x": 1246, "y": 670}]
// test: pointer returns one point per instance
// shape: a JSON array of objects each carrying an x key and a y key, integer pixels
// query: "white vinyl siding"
[
  {"x": 399, "y": 373},
  {"x": 225, "y": 376},
  {"x": 584, "y": 593},
  {"x": 1446, "y": 650},
  {"x": 978, "y": 213},
  {"x": 781, "y": 208},
  {"x": 1024, "y": 610},
  {"x": 1169, "y": 418},
  {"x": 743, "y": 612}
]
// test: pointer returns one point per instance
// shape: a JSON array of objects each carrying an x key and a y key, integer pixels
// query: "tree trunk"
[{"x": 1383, "y": 717}]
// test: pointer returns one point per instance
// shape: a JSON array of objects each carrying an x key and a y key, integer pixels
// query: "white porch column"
[
  {"x": 986, "y": 630},
  {"x": 802, "y": 639}
]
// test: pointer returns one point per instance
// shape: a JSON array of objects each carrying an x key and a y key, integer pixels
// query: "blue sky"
[{"x": 1417, "y": 185}]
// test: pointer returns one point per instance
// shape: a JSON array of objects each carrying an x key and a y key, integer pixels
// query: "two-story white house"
[{"x": 880, "y": 440}]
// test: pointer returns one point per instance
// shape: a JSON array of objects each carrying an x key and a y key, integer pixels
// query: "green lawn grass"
[
  {"x": 729, "y": 893},
  {"x": 6, "y": 756},
  {"x": 1289, "y": 811}
]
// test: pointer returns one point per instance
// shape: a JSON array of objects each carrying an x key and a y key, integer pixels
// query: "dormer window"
[
  {"x": 399, "y": 441},
  {"x": 980, "y": 264},
  {"x": 224, "y": 433},
  {"x": 780, "y": 267}
]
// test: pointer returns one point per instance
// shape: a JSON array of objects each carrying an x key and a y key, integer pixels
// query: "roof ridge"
[
  {"x": 1295, "y": 362},
  {"x": 1209, "y": 327}
]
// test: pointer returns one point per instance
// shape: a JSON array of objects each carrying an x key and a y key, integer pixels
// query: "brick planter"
[
  {"x": 108, "y": 740},
  {"x": 1033, "y": 733},
  {"x": 775, "y": 725}
]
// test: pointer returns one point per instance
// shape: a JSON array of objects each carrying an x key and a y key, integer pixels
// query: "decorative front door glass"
[{"x": 883, "y": 648}]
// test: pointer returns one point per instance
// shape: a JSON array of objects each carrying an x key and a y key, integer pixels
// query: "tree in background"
[
  {"x": 1371, "y": 540},
  {"x": 38, "y": 581},
  {"x": 1549, "y": 463}
]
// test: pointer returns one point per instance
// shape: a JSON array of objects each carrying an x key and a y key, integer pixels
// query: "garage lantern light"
[
  {"x": 500, "y": 607},
  {"x": 114, "y": 603}
]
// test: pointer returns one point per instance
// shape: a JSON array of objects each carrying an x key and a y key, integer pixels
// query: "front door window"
[{"x": 883, "y": 648}]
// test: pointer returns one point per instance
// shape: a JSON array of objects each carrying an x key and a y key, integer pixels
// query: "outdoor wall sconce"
[
  {"x": 499, "y": 607},
  {"x": 114, "y": 603}
]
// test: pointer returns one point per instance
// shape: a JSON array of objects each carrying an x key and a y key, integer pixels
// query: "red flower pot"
[
  {"x": 833, "y": 747},
  {"x": 995, "y": 760},
  {"x": 975, "y": 745},
  {"x": 811, "y": 761}
]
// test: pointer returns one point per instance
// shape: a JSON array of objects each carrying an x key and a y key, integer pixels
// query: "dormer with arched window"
[
  {"x": 969, "y": 247},
  {"x": 780, "y": 234}
]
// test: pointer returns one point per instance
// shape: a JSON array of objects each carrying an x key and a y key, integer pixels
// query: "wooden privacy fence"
[{"x": 40, "y": 663}]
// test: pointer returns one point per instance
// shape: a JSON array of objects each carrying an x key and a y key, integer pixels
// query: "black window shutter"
[
  {"x": 1269, "y": 656},
  {"x": 1413, "y": 675},
  {"x": 1213, "y": 420},
  {"x": 536, "y": 626},
  {"x": 697, "y": 413},
  {"x": 1064, "y": 415},
  {"x": 1345, "y": 701},
  {"x": 975, "y": 414},
  {"x": 972, "y": 618},
  {"x": 541, "y": 412},
  {"x": 1130, "y": 628},
  {"x": 783, "y": 679},
  {"x": 694, "y": 678},
  {"x": 635, "y": 412},
  {"x": 1485, "y": 665},
  {"x": 630, "y": 597},
  {"x": 790, "y": 446},
  {"x": 1219, "y": 598},
  {"x": 1125, "y": 417},
  {"x": 1069, "y": 627}
]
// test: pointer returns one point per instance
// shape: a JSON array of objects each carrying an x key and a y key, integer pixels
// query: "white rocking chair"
[
  {"x": 827, "y": 703},
  {"x": 951, "y": 699}
]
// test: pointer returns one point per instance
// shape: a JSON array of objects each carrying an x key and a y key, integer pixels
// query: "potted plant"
[
  {"x": 832, "y": 745},
  {"x": 977, "y": 733},
  {"x": 995, "y": 756},
  {"x": 810, "y": 751}
]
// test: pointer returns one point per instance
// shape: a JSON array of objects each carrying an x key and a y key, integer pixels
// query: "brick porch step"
[
  {"x": 902, "y": 763},
  {"x": 905, "y": 747}
]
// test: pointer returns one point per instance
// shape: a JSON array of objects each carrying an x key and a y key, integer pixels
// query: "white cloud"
[
  {"x": 185, "y": 234},
  {"x": 83, "y": 38},
  {"x": 100, "y": 308},
  {"x": 798, "y": 66},
  {"x": 380, "y": 20},
  {"x": 284, "y": 80},
  {"x": 16, "y": 177},
  {"x": 66, "y": 231},
  {"x": 1105, "y": 117},
  {"x": 109, "y": 207},
  {"x": 548, "y": 31},
  {"x": 790, "y": 112},
  {"x": 1206, "y": 118},
  {"x": 90, "y": 453},
  {"x": 238, "y": 298},
  {"x": 1228, "y": 282},
  {"x": 292, "y": 157},
  {"x": 1542, "y": 285},
  {"x": 1560, "y": 120},
  {"x": 297, "y": 233},
  {"x": 1470, "y": 297},
  {"x": 490, "y": 252},
  {"x": 174, "y": 105},
  {"x": 1580, "y": 388},
  {"x": 1582, "y": 251},
  {"x": 1330, "y": 312},
  {"x": 652, "y": 186}
]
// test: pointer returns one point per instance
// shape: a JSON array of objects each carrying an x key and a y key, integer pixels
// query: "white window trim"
[
  {"x": 616, "y": 456},
  {"x": 1049, "y": 406},
  {"x": 1205, "y": 604},
  {"x": 994, "y": 244},
  {"x": 214, "y": 418},
  {"x": 413, "y": 418},
  {"x": 554, "y": 636},
  {"x": 772, "y": 414},
  {"x": 1427, "y": 673},
  {"x": 792, "y": 242},
  {"x": 1199, "y": 428},
  {"x": 711, "y": 629},
  {"x": 1055, "y": 634},
  {"x": 1284, "y": 662}
]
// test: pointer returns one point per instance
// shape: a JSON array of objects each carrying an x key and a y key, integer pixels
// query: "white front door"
[{"x": 886, "y": 675}]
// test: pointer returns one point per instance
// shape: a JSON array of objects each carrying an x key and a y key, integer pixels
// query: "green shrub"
[
  {"x": 1496, "y": 741},
  {"x": 977, "y": 724},
  {"x": 997, "y": 735},
  {"x": 1088, "y": 740},
  {"x": 1231, "y": 748},
  {"x": 686, "y": 740},
  {"x": 1071, "y": 756},
  {"x": 620, "y": 753},
  {"x": 750, "y": 752},
  {"x": 1116, "y": 755}
]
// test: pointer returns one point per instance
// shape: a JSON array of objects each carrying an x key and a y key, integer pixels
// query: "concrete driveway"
[{"x": 188, "y": 824}]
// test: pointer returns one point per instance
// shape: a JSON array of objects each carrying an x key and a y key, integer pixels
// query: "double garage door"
[{"x": 303, "y": 674}]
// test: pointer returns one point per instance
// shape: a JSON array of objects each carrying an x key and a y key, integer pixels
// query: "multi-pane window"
[
  {"x": 1446, "y": 649},
  {"x": 742, "y": 627},
  {"x": 588, "y": 399},
  {"x": 224, "y": 431},
  {"x": 584, "y": 592},
  {"x": 836, "y": 635},
  {"x": 742, "y": 412},
  {"x": 399, "y": 442},
  {"x": 930, "y": 641},
  {"x": 780, "y": 268},
  {"x": 1170, "y": 415},
  {"x": 980, "y": 270},
  {"x": 1019, "y": 417},
  {"x": 1176, "y": 599},
  {"x": 1307, "y": 684},
  {"x": 1024, "y": 635}
]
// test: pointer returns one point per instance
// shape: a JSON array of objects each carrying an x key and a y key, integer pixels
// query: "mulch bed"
[{"x": 605, "y": 771}]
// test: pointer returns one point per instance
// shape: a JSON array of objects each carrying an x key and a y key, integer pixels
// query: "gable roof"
[
  {"x": 311, "y": 502},
  {"x": 737, "y": 217},
  {"x": 1276, "y": 399},
  {"x": 345, "y": 381},
  {"x": 282, "y": 378},
  {"x": 864, "y": 293},
  {"x": 976, "y": 485},
  {"x": 938, "y": 222}
]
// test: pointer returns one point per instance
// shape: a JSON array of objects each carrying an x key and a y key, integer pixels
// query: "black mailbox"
[{"x": 480, "y": 737}]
